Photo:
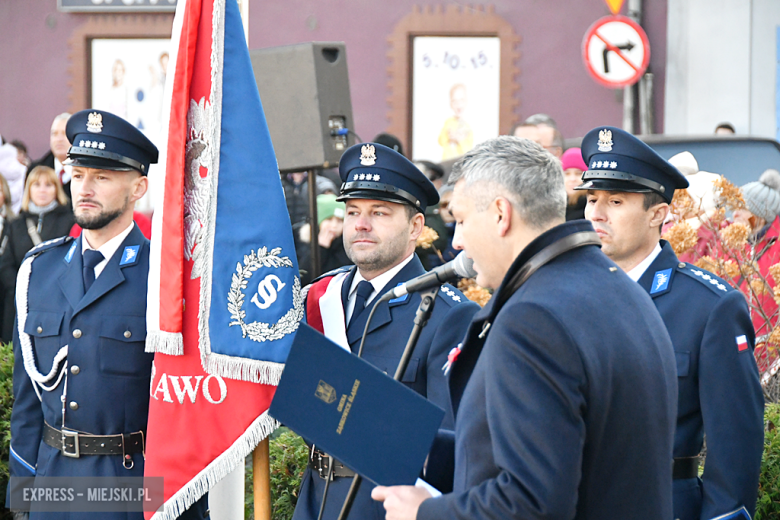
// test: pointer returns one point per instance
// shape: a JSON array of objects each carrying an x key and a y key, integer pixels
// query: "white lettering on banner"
[
  {"x": 163, "y": 386},
  {"x": 222, "y": 389},
  {"x": 151, "y": 381},
  {"x": 191, "y": 392},
  {"x": 184, "y": 387}
]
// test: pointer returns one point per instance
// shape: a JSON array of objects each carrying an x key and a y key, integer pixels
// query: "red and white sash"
[{"x": 324, "y": 310}]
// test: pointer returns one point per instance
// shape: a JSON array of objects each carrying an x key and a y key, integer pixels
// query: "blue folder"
[
  {"x": 373, "y": 424},
  {"x": 739, "y": 514}
]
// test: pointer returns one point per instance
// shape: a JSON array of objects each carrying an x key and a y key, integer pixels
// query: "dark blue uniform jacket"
[
  {"x": 719, "y": 390},
  {"x": 108, "y": 371},
  {"x": 387, "y": 336},
  {"x": 565, "y": 407}
]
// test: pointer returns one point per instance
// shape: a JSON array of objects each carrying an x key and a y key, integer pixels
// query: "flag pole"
[{"x": 261, "y": 481}]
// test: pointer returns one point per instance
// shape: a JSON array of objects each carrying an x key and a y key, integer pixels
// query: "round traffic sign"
[{"x": 616, "y": 51}]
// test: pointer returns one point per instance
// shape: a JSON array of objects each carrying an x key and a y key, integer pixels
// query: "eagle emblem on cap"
[
  {"x": 367, "y": 155},
  {"x": 605, "y": 140},
  {"x": 95, "y": 122}
]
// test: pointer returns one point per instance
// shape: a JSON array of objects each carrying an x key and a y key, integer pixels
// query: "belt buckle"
[{"x": 75, "y": 436}]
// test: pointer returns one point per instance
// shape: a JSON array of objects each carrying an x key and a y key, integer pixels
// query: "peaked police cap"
[
  {"x": 376, "y": 172},
  {"x": 618, "y": 161},
  {"x": 99, "y": 139}
]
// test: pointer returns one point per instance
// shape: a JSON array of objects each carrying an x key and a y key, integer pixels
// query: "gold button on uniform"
[
  {"x": 75, "y": 369},
  {"x": 39, "y": 329},
  {"x": 74, "y": 405},
  {"x": 77, "y": 333},
  {"x": 128, "y": 334}
]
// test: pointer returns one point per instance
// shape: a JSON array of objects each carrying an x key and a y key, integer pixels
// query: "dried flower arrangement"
[
  {"x": 727, "y": 249},
  {"x": 468, "y": 286}
]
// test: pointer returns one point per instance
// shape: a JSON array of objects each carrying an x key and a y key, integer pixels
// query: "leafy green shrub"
[
  {"x": 289, "y": 456},
  {"x": 6, "y": 404},
  {"x": 768, "y": 506}
]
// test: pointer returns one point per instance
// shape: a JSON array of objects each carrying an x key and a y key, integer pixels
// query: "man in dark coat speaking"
[{"x": 565, "y": 391}]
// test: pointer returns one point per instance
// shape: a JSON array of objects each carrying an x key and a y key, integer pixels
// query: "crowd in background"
[{"x": 35, "y": 205}]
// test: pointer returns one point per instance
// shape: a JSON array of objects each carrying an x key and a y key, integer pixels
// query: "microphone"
[{"x": 462, "y": 266}]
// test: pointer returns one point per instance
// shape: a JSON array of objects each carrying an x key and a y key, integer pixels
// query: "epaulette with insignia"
[
  {"x": 450, "y": 294},
  {"x": 334, "y": 272},
  {"x": 49, "y": 244},
  {"x": 715, "y": 283}
]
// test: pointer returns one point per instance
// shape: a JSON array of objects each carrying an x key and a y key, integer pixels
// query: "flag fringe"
[
  {"x": 234, "y": 456},
  {"x": 242, "y": 369},
  {"x": 170, "y": 343},
  {"x": 206, "y": 258}
]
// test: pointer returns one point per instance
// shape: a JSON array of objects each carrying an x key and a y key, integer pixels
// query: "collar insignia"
[
  {"x": 129, "y": 255},
  {"x": 605, "y": 140},
  {"x": 95, "y": 123},
  {"x": 69, "y": 255},
  {"x": 400, "y": 298},
  {"x": 367, "y": 155},
  {"x": 661, "y": 281}
]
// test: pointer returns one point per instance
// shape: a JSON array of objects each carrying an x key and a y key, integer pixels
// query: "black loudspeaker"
[{"x": 305, "y": 93}]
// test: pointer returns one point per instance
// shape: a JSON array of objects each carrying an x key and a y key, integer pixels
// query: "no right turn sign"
[{"x": 616, "y": 51}]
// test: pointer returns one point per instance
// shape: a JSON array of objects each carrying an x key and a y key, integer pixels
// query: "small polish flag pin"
[
  {"x": 451, "y": 357},
  {"x": 742, "y": 343}
]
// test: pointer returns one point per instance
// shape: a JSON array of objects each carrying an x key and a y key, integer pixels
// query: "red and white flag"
[{"x": 224, "y": 291}]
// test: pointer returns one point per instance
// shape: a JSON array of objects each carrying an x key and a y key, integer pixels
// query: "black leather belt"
[
  {"x": 75, "y": 444},
  {"x": 318, "y": 462},
  {"x": 685, "y": 467}
]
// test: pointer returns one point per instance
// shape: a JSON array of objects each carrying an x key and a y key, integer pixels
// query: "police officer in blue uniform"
[
  {"x": 385, "y": 196},
  {"x": 81, "y": 376},
  {"x": 629, "y": 191},
  {"x": 564, "y": 393}
]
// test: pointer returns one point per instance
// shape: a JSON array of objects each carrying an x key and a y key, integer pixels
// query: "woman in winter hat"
[{"x": 762, "y": 201}]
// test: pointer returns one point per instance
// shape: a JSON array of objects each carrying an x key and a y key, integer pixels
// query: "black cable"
[
  {"x": 327, "y": 485},
  {"x": 359, "y": 354},
  {"x": 384, "y": 297}
]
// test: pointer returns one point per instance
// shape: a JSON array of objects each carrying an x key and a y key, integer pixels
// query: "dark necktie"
[
  {"x": 91, "y": 258},
  {"x": 364, "y": 290}
]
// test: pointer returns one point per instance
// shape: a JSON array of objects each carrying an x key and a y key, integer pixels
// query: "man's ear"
[
  {"x": 502, "y": 212},
  {"x": 418, "y": 223},
  {"x": 658, "y": 214},
  {"x": 140, "y": 185}
]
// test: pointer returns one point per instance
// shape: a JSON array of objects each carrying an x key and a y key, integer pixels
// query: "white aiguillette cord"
[{"x": 22, "y": 286}]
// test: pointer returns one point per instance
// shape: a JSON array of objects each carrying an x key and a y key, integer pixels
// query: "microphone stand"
[{"x": 420, "y": 320}]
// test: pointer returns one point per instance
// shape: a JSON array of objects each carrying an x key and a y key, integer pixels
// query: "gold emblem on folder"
[{"x": 325, "y": 392}]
